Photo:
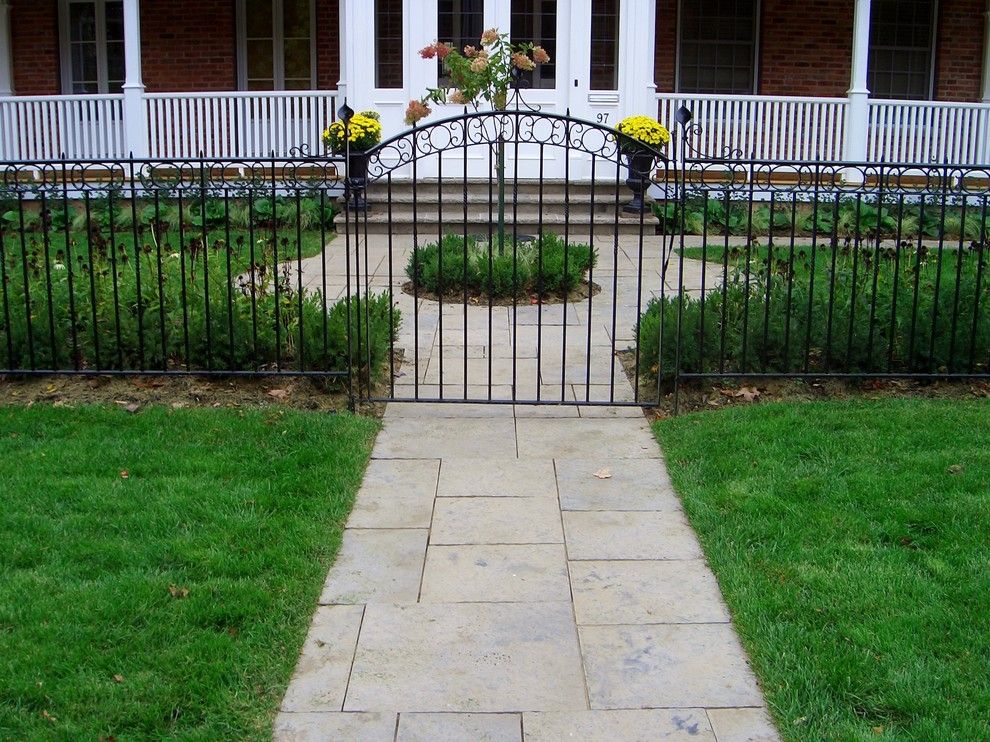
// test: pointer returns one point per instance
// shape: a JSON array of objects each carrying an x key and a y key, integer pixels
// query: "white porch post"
[
  {"x": 858, "y": 109},
  {"x": 135, "y": 118},
  {"x": 6, "y": 51},
  {"x": 986, "y": 54},
  {"x": 638, "y": 34}
]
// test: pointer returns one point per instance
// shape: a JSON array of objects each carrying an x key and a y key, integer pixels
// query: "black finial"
[
  {"x": 683, "y": 116},
  {"x": 345, "y": 112}
]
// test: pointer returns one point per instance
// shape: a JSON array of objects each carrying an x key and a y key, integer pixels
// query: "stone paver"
[
  {"x": 377, "y": 565},
  {"x": 611, "y": 726},
  {"x": 489, "y": 586},
  {"x": 665, "y": 665},
  {"x": 467, "y": 657},
  {"x": 459, "y": 728},
  {"x": 499, "y": 573},
  {"x": 496, "y": 520}
]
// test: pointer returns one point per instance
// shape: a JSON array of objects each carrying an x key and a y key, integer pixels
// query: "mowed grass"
[
  {"x": 158, "y": 570},
  {"x": 852, "y": 543}
]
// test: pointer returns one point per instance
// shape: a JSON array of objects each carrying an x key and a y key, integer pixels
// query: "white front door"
[{"x": 601, "y": 68}]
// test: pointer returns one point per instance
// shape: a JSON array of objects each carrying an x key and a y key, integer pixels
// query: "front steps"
[{"x": 554, "y": 206}]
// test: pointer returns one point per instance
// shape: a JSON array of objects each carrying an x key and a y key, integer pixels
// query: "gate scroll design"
[{"x": 487, "y": 270}]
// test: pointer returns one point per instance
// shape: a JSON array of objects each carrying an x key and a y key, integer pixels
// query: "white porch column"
[
  {"x": 638, "y": 42},
  {"x": 6, "y": 51},
  {"x": 857, "y": 110},
  {"x": 986, "y": 54},
  {"x": 135, "y": 118}
]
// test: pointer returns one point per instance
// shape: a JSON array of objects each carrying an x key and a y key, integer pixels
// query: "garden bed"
[{"x": 546, "y": 269}]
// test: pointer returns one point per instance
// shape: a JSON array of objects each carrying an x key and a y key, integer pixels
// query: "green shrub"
[
  {"x": 547, "y": 266},
  {"x": 202, "y": 309},
  {"x": 772, "y": 323}
]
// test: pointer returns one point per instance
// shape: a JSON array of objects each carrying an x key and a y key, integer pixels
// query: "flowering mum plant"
[
  {"x": 364, "y": 131},
  {"x": 642, "y": 129},
  {"x": 478, "y": 73}
]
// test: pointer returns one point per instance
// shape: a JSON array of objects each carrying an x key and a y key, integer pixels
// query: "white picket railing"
[
  {"x": 929, "y": 132},
  {"x": 237, "y": 124},
  {"x": 761, "y": 127},
  {"x": 73, "y": 126}
]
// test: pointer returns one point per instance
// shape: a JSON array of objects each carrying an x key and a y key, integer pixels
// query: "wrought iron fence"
[
  {"x": 175, "y": 267},
  {"x": 813, "y": 269}
]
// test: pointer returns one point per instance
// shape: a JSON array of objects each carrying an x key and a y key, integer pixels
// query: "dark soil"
[
  {"x": 582, "y": 292},
  {"x": 698, "y": 394}
]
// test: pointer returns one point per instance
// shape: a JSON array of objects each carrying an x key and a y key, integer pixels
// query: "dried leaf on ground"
[
  {"x": 178, "y": 592},
  {"x": 278, "y": 393},
  {"x": 605, "y": 473}
]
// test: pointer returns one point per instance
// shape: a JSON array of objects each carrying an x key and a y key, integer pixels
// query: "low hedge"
[
  {"x": 878, "y": 311},
  {"x": 547, "y": 266}
]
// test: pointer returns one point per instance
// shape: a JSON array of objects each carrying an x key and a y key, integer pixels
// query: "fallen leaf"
[
  {"x": 278, "y": 393},
  {"x": 133, "y": 407},
  {"x": 178, "y": 592},
  {"x": 605, "y": 473},
  {"x": 178, "y": 405},
  {"x": 49, "y": 717},
  {"x": 118, "y": 678},
  {"x": 955, "y": 469},
  {"x": 878, "y": 730},
  {"x": 124, "y": 474}
]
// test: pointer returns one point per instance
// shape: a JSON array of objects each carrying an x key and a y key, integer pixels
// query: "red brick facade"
[
  {"x": 806, "y": 48},
  {"x": 186, "y": 46}
]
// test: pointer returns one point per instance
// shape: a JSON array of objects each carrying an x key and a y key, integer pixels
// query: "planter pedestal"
[
  {"x": 357, "y": 181},
  {"x": 640, "y": 166}
]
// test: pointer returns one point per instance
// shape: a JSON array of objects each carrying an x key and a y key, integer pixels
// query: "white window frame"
[
  {"x": 757, "y": 41},
  {"x": 278, "y": 40},
  {"x": 65, "y": 44},
  {"x": 932, "y": 52}
]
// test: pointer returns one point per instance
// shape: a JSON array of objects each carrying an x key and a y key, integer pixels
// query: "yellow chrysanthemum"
[
  {"x": 645, "y": 129},
  {"x": 363, "y": 132}
]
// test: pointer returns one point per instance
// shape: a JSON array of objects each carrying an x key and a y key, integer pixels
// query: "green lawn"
[
  {"x": 852, "y": 543},
  {"x": 158, "y": 570}
]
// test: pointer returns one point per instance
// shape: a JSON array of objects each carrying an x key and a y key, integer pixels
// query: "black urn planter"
[
  {"x": 640, "y": 164},
  {"x": 357, "y": 181}
]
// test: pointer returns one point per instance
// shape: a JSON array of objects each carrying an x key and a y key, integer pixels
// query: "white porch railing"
[
  {"x": 761, "y": 127},
  {"x": 929, "y": 132},
  {"x": 237, "y": 124},
  {"x": 73, "y": 126}
]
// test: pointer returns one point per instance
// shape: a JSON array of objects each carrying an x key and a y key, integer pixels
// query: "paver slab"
[
  {"x": 600, "y": 534},
  {"x": 323, "y": 727},
  {"x": 497, "y": 573},
  {"x": 666, "y": 665},
  {"x": 496, "y": 477},
  {"x": 598, "y": 438},
  {"x": 639, "y": 725},
  {"x": 743, "y": 725},
  {"x": 483, "y": 657},
  {"x": 635, "y": 592},
  {"x": 320, "y": 677},
  {"x": 411, "y": 438},
  {"x": 496, "y": 520},
  {"x": 459, "y": 728},
  {"x": 377, "y": 565},
  {"x": 610, "y": 484},
  {"x": 396, "y": 493}
]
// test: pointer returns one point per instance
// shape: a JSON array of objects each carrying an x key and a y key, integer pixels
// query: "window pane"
[
  {"x": 388, "y": 43},
  {"x": 295, "y": 19},
  {"x": 260, "y": 60},
  {"x": 900, "y": 64},
  {"x": 604, "y": 45},
  {"x": 536, "y": 21},
  {"x": 258, "y": 20},
  {"x": 459, "y": 23},
  {"x": 115, "y": 21},
  {"x": 717, "y": 46},
  {"x": 115, "y": 66},
  {"x": 82, "y": 22},
  {"x": 84, "y": 70},
  {"x": 297, "y": 59}
]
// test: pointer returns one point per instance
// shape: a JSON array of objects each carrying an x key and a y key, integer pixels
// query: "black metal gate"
[{"x": 516, "y": 248}]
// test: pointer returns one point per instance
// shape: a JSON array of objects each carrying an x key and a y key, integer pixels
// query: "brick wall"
[
  {"x": 959, "y": 52},
  {"x": 186, "y": 45},
  {"x": 35, "y": 47},
  {"x": 806, "y": 48}
]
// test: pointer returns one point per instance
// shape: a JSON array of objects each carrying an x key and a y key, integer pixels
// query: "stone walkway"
[{"x": 491, "y": 587}]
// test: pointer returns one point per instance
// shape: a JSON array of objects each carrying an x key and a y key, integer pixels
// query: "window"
[
  {"x": 459, "y": 23},
  {"x": 604, "y": 74},
  {"x": 275, "y": 46},
  {"x": 388, "y": 44},
  {"x": 92, "y": 46},
  {"x": 901, "y": 49},
  {"x": 717, "y": 46},
  {"x": 536, "y": 21}
]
